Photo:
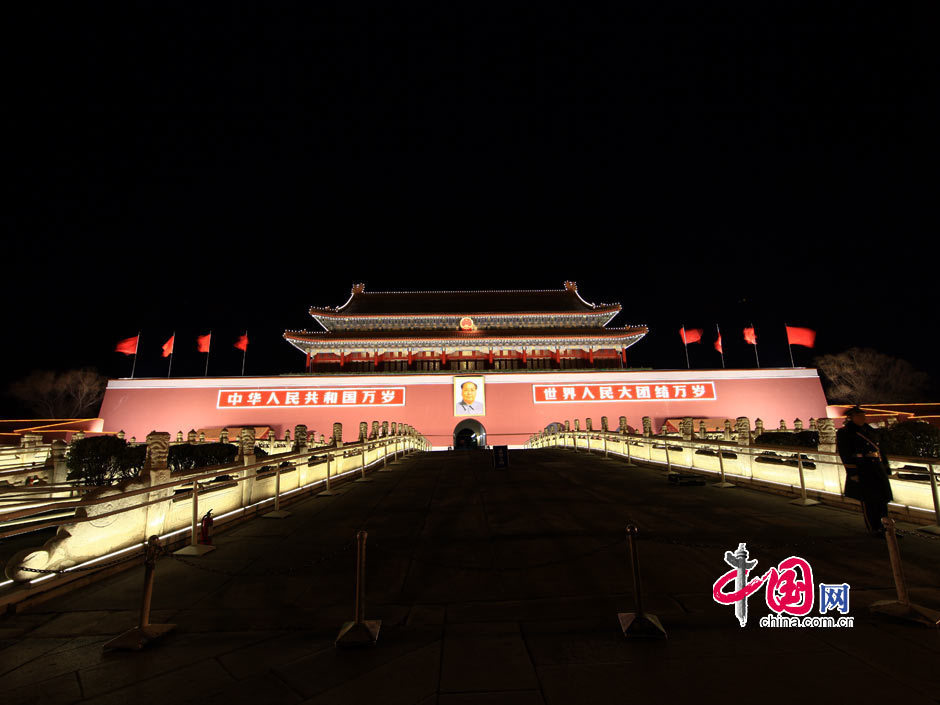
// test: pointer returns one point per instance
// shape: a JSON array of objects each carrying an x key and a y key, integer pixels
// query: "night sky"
[{"x": 206, "y": 166}]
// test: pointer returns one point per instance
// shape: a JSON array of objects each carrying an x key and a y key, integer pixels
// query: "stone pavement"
[{"x": 493, "y": 586}]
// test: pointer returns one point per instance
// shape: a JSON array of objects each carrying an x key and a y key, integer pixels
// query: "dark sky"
[{"x": 194, "y": 166}]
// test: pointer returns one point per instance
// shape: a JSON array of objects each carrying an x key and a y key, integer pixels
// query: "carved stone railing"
[
  {"x": 160, "y": 502},
  {"x": 740, "y": 459}
]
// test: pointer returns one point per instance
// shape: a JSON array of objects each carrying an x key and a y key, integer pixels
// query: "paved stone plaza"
[{"x": 493, "y": 586}]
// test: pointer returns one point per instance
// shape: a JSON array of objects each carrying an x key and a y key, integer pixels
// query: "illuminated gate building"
[
  {"x": 463, "y": 368},
  {"x": 465, "y": 330}
]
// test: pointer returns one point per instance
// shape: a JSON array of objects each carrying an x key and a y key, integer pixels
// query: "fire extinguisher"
[{"x": 205, "y": 529}]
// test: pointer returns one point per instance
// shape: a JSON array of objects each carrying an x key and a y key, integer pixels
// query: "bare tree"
[
  {"x": 61, "y": 395},
  {"x": 866, "y": 376}
]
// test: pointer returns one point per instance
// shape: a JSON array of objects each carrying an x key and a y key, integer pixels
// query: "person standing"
[{"x": 866, "y": 469}]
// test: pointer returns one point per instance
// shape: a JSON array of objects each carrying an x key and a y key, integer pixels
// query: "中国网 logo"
[{"x": 789, "y": 592}]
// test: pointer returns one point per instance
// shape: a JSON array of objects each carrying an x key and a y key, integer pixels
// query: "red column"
[
  {"x": 591, "y": 355},
  {"x": 409, "y": 356},
  {"x": 375, "y": 357},
  {"x": 342, "y": 358},
  {"x": 308, "y": 361},
  {"x": 443, "y": 358},
  {"x": 558, "y": 356},
  {"x": 623, "y": 354},
  {"x": 490, "y": 358},
  {"x": 524, "y": 358}
]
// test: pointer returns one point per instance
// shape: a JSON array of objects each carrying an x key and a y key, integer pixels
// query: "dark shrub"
[
  {"x": 101, "y": 460},
  {"x": 789, "y": 439},
  {"x": 914, "y": 438}
]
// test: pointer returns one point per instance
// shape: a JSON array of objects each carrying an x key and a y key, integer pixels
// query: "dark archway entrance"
[{"x": 469, "y": 434}]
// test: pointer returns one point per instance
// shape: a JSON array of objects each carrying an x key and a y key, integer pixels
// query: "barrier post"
[
  {"x": 630, "y": 463},
  {"x": 384, "y": 457},
  {"x": 605, "y": 444},
  {"x": 278, "y": 513},
  {"x": 668, "y": 460},
  {"x": 360, "y": 632},
  {"x": 328, "y": 492},
  {"x": 639, "y": 623},
  {"x": 901, "y": 608},
  {"x": 935, "y": 527},
  {"x": 362, "y": 465},
  {"x": 195, "y": 548},
  {"x": 137, "y": 638},
  {"x": 721, "y": 469},
  {"x": 802, "y": 501}
]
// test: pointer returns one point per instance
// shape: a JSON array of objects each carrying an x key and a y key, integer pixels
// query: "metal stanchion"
[
  {"x": 328, "y": 492},
  {"x": 384, "y": 458},
  {"x": 802, "y": 501},
  {"x": 361, "y": 632},
  {"x": 669, "y": 469},
  {"x": 362, "y": 466},
  {"x": 935, "y": 527},
  {"x": 278, "y": 513},
  {"x": 195, "y": 548},
  {"x": 630, "y": 462},
  {"x": 721, "y": 469},
  {"x": 902, "y": 608},
  {"x": 639, "y": 623},
  {"x": 137, "y": 638}
]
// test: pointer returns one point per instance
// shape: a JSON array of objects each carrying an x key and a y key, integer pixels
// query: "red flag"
[
  {"x": 801, "y": 336},
  {"x": 693, "y": 335},
  {"x": 202, "y": 342},
  {"x": 750, "y": 336},
  {"x": 128, "y": 346},
  {"x": 168, "y": 346},
  {"x": 242, "y": 343},
  {"x": 718, "y": 345}
]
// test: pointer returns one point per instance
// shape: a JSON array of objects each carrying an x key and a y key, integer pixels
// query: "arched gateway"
[{"x": 469, "y": 434}]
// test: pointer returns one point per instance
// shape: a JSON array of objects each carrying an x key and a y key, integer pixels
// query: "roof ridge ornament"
[
  {"x": 358, "y": 288},
  {"x": 571, "y": 286}
]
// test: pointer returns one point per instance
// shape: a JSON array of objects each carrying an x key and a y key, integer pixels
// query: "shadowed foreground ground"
[{"x": 493, "y": 586}]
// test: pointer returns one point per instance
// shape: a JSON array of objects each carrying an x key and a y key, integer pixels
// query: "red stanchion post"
[
  {"x": 195, "y": 548},
  {"x": 359, "y": 632},
  {"x": 144, "y": 633},
  {"x": 278, "y": 513},
  {"x": 902, "y": 608},
  {"x": 802, "y": 501},
  {"x": 639, "y": 623},
  {"x": 721, "y": 469},
  {"x": 328, "y": 492}
]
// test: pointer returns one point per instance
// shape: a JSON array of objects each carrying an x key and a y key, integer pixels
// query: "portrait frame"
[{"x": 478, "y": 398}]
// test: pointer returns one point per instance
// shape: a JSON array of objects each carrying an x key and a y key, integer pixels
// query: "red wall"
[{"x": 139, "y": 406}]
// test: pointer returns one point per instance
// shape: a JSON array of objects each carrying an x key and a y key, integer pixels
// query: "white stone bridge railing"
[
  {"x": 119, "y": 519},
  {"x": 785, "y": 468}
]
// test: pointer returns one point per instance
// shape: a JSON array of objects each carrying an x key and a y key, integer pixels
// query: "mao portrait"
[{"x": 469, "y": 399}]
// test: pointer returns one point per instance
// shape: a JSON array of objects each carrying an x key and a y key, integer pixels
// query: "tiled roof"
[
  {"x": 366, "y": 303},
  {"x": 468, "y": 336}
]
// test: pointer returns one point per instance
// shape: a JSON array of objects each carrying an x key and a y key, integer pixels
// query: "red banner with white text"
[
  {"x": 651, "y": 391},
  {"x": 309, "y": 397}
]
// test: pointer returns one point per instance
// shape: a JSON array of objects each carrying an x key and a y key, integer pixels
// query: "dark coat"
[{"x": 856, "y": 445}]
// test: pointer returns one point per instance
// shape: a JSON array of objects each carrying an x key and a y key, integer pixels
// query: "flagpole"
[
  {"x": 244, "y": 354},
  {"x": 170, "y": 366},
  {"x": 789, "y": 347},
  {"x": 207, "y": 354},
  {"x": 136, "y": 348},
  {"x": 755, "y": 345},
  {"x": 684, "y": 343},
  {"x": 722, "y": 351}
]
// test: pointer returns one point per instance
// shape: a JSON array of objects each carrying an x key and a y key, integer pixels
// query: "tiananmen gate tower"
[{"x": 464, "y": 368}]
